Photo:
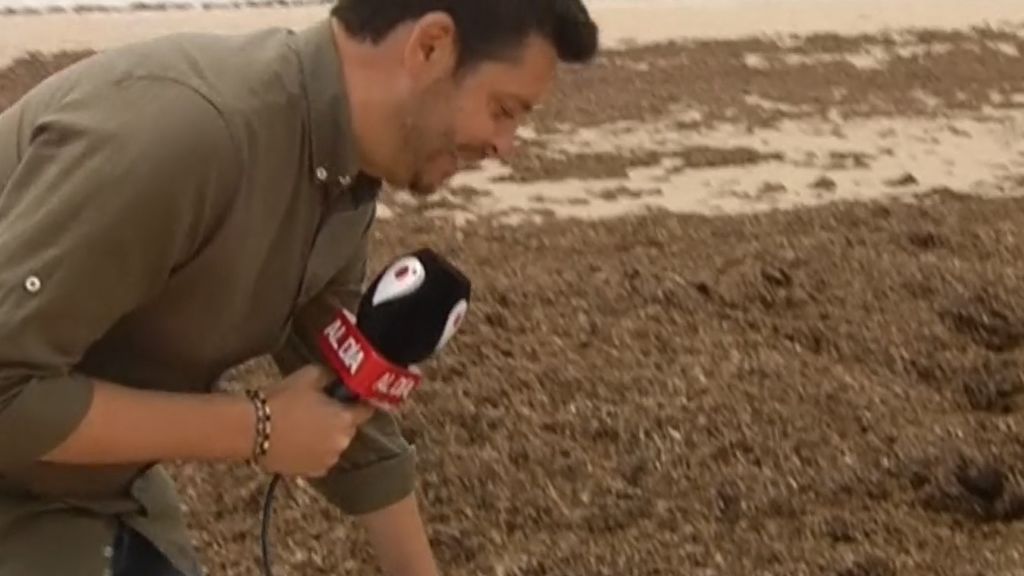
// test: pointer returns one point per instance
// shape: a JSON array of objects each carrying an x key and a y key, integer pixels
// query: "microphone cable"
[{"x": 265, "y": 530}]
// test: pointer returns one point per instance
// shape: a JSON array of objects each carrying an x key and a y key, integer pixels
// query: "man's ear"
[{"x": 432, "y": 49}]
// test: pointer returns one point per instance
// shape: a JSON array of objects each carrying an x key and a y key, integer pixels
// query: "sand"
[{"x": 759, "y": 312}]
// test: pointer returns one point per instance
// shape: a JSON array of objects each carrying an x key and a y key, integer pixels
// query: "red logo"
[{"x": 362, "y": 369}]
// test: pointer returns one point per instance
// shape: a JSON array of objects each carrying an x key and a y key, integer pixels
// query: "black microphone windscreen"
[{"x": 411, "y": 308}]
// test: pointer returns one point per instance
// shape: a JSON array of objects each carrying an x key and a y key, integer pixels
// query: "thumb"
[
  {"x": 314, "y": 376},
  {"x": 360, "y": 413}
]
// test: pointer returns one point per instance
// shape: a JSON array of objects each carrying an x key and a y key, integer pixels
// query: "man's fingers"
[
  {"x": 314, "y": 376},
  {"x": 360, "y": 413}
]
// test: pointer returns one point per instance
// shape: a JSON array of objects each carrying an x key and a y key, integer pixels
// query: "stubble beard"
[
  {"x": 426, "y": 140},
  {"x": 413, "y": 141}
]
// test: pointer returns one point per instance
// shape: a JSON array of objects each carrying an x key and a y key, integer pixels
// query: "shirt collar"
[{"x": 332, "y": 140}]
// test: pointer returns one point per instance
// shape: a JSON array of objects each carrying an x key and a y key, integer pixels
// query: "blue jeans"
[{"x": 134, "y": 555}]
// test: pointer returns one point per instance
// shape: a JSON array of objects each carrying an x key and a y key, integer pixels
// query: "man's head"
[{"x": 457, "y": 76}]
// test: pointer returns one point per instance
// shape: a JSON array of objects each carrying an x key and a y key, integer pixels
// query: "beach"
[
  {"x": 622, "y": 21},
  {"x": 746, "y": 302}
]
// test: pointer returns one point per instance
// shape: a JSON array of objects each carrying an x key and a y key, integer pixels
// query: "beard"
[
  {"x": 430, "y": 153},
  {"x": 420, "y": 186},
  {"x": 428, "y": 140}
]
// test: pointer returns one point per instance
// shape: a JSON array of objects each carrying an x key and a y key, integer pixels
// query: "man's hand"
[
  {"x": 309, "y": 430},
  {"x": 399, "y": 539}
]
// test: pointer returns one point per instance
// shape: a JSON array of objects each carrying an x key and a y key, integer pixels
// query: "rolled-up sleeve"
[
  {"x": 114, "y": 187},
  {"x": 379, "y": 466},
  {"x": 377, "y": 469}
]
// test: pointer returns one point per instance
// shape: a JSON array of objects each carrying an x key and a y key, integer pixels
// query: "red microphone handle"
[{"x": 363, "y": 374}]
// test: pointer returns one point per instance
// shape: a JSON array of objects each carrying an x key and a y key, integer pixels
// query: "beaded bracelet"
[{"x": 262, "y": 444}]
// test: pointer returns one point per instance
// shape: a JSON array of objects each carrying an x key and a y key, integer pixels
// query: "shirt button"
[
  {"x": 345, "y": 180},
  {"x": 33, "y": 284},
  {"x": 108, "y": 552},
  {"x": 321, "y": 173}
]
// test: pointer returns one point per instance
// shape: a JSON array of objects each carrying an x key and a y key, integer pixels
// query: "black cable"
[
  {"x": 342, "y": 394},
  {"x": 264, "y": 536}
]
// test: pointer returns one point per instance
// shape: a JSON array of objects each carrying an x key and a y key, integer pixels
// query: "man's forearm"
[
  {"x": 126, "y": 425},
  {"x": 399, "y": 538}
]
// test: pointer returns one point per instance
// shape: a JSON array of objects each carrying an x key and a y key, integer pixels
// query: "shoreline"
[
  {"x": 744, "y": 121},
  {"x": 622, "y": 24}
]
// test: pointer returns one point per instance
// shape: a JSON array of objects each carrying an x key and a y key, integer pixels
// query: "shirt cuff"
[
  {"x": 371, "y": 488},
  {"x": 39, "y": 415}
]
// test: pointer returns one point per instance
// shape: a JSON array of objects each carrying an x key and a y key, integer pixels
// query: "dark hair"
[{"x": 487, "y": 29}]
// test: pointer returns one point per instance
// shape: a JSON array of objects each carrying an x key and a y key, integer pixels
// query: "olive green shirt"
[{"x": 169, "y": 210}]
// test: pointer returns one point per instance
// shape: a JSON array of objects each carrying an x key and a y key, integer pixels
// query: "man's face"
[{"x": 458, "y": 120}]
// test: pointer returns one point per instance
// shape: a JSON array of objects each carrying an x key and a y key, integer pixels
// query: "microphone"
[{"x": 408, "y": 313}]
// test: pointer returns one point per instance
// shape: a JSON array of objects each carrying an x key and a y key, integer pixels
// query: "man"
[{"x": 172, "y": 208}]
